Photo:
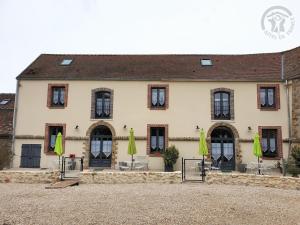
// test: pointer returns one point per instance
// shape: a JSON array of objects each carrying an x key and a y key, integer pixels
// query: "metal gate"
[
  {"x": 193, "y": 170},
  {"x": 30, "y": 156},
  {"x": 71, "y": 167}
]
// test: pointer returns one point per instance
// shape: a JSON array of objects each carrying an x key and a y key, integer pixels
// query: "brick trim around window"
[
  {"x": 49, "y": 95},
  {"x": 279, "y": 141},
  {"x": 46, "y": 141},
  {"x": 149, "y": 96},
  {"x": 93, "y": 102},
  {"x": 149, "y": 138},
  {"x": 277, "y": 96},
  {"x": 212, "y": 102}
]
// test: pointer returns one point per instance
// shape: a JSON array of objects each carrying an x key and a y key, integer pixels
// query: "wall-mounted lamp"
[
  {"x": 197, "y": 127},
  {"x": 249, "y": 128},
  {"x": 125, "y": 126},
  {"x": 76, "y": 127}
]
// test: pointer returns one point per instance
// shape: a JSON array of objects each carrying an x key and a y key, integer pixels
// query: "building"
[
  {"x": 292, "y": 70},
  {"x": 7, "y": 102},
  {"x": 95, "y": 99}
]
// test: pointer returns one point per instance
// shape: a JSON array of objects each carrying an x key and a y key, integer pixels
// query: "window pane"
[
  {"x": 264, "y": 144},
  {"x": 217, "y": 101},
  {"x": 107, "y": 146},
  {"x": 161, "y": 141},
  {"x": 153, "y": 142},
  {"x": 228, "y": 150},
  {"x": 216, "y": 150},
  {"x": 62, "y": 96},
  {"x": 53, "y": 131},
  {"x": 55, "y": 96},
  {"x": 272, "y": 145},
  {"x": 262, "y": 97},
  {"x": 99, "y": 109},
  {"x": 271, "y": 97},
  {"x": 95, "y": 148},
  {"x": 52, "y": 140},
  {"x": 161, "y": 97},
  {"x": 154, "y": 97},
  {"x": 107, "y": 106},
  {"x": 225, "y": 104}
]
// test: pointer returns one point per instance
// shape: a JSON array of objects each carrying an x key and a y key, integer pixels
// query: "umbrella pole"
[
  {"x": 131, "y": 162},
  {"x": 59, "y": 167},
  {"x": 258, "y": 165},
  {"x": 203, "y": 169}
]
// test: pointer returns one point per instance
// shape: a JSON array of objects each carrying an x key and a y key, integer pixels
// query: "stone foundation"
[
  {"x": 253, "y": 180},
  {"x": 29, "y": 177},
  {"x": 118, "y": 177}
]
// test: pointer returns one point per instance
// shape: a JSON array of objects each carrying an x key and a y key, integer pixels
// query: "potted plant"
[
  {"x": 293, "y": 163},
  {"x": 170, "y": 157}
]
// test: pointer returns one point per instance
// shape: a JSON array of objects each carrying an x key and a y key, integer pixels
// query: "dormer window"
[
  {"x": 66, "y": 62},
  {"x": 206, "y": 62},
  {"x": 4, "y": 101}
]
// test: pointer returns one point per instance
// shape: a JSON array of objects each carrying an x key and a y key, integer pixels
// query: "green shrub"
[
  {"x": 293, "y": 163},
  {"x": 170, "y": 157}
]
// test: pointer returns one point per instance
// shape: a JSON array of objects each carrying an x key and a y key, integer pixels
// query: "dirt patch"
[{"x": 148, "y": 204}]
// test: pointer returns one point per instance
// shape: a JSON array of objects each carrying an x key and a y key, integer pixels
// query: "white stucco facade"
[{"x": 189, "y": 106}]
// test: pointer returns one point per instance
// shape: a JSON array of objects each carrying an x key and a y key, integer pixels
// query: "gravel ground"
[{"x": 148, "y": 204}]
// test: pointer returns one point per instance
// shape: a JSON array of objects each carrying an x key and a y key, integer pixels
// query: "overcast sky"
[{"x": 29, "y": 28}]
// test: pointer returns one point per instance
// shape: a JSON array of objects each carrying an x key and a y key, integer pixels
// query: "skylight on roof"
[
  {"x": 206, "y": 62},
  {"x": 4, "y": 101},
  {"x": 66, "y": 62}
]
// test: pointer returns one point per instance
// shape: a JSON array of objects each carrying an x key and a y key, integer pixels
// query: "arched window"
[
  {"x": 222, "y": 148},
  {"x": 103, "y": 104},
  {"x": 101, "y": 147},
  {"x": 221, "y": 105}
]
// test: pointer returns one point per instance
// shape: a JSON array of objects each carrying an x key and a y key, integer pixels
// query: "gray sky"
[{"x": 29, "y": 28}]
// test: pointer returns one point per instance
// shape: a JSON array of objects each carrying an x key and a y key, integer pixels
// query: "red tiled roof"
[
  {"x": 6, "y": 114},
  {"x": 254, "y": 67},
  {"x": 292, "y": 63}
]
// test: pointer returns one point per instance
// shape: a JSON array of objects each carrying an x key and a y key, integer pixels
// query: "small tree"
[
  {"x": 293, "y": 163},
  {"x": 170, "y": 157}
]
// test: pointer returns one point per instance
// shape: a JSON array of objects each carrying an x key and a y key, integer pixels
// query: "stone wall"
[
  {"x": 5, "y": 152},
  {"x": 118, "y": 177},
  {"x": 296, "y": 111},
  {"x": 29, "y": 177},
  {"x": 253, "y": 180}
]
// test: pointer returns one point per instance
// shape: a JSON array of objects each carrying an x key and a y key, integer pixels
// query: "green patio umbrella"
[
  {"x": 203, "y": 150},
  {"x": 131, "y": 146},
  {"x": 202, "y": 144},
  {"x": 58, "y": 149},
  {"x": 257, "y": 149}
]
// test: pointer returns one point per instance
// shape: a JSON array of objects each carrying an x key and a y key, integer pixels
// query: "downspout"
[
  {"x": 287, "y": 92},
  {"x": 289, "y": 116},
  {"x": 14, "y": 123}
]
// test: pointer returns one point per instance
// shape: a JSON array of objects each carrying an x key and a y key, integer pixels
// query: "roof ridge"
[{"x": 158, "y": 54}]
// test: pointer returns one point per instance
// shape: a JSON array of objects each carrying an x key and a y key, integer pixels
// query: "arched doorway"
[
  {"x": 101, "y": 147},
  {"x": 222, "y": 148}
]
